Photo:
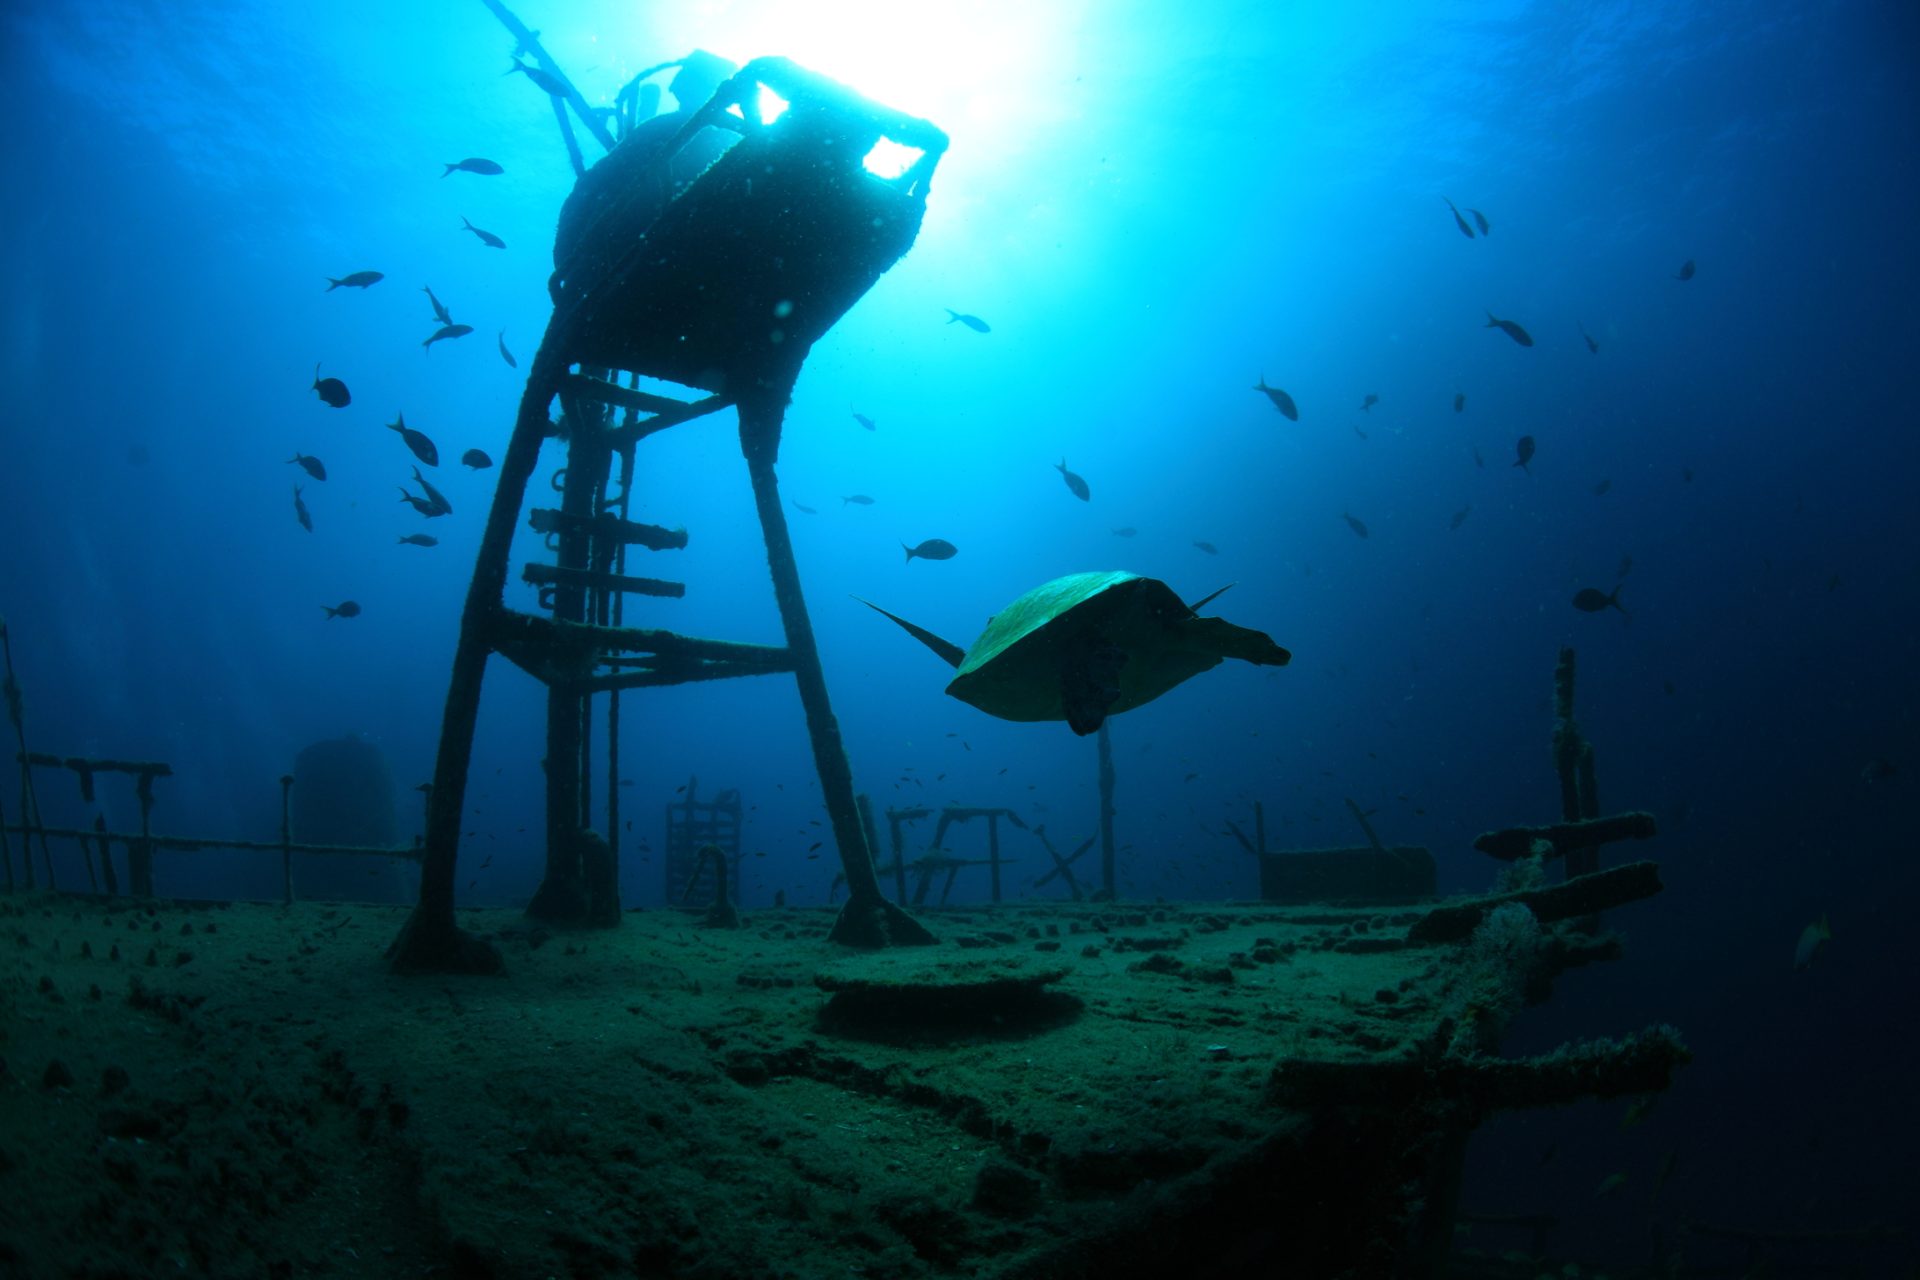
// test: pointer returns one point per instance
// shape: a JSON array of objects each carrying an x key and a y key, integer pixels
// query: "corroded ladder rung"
[
  {"x": 549, "y": 575},
  {"x": 651, "y": 536},
  {"x": 612, "y": 393}
]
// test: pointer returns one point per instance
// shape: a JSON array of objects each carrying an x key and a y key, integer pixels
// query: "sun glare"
[{"x": 982, "y": 65}]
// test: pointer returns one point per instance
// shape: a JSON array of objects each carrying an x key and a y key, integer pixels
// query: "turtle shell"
[{"x": 1014, "y": 670}]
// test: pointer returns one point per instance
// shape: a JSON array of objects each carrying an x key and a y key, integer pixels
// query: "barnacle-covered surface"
[{"x": 1050, "y": 1091}]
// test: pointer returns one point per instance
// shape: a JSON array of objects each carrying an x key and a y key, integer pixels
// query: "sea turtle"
[{"x": 1090, "y": 645}]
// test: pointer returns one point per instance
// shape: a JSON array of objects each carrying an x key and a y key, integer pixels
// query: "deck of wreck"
[{"x": 1057, "y": 1091}]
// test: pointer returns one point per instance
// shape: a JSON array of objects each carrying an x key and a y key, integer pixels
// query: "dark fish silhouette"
[
  {"x": 1524, "y": 454},
  {"x": 420, "y": 540},
  {"x": 358, "y": 280},
  {"x": 1208, "y": 547},
  {"x": 547, "y": 83},
  {"x": 1593, "y": 348},
  {"x": 1594, "y": 600},
  {"x": 440, "y": 311},
  {"x": 1509, "y": 328},
  {"x": 1459, "y": 221},
  {"x": 857, "y": 499},
  {"x": 487, "y": 238},
  {"x": 1686, "y": 270},
  {"x": 434, "y": 496},
  {"x": 422, "y": 447},
  {"x": 932, "y": 549},
  {"x": 447, "y": 331},
  {"x": 1126, "y": 532},
  {"x": 345, "y": 609},
  {"x": 312, "y": 466},
  {"x": 803, "y": 508},
  {"x": 1602, "y": 487},
  {"x": 1626, "y": 566},
  {"x": 1366, "y": 406},
  {"x": 477, "y": 459},
  {"x": 1459, "y": 401},
  {"x": 1478, "y": 461},
  {"x": 331, "y": 390},
  {"x": 974, "y": 323},
  {"x": 1074, "y": 482},
  {"x": 1480, "y": 221},
  {"x": 475, "y": 164},
  {"x": 864, "y": 421},
  {"x": 1354, "y": 524},
  {"x": 422, "y": 505},
  {"x": 300, "y": 511},
  {"x": 1281, "y": 400},
  {"x": 1460, "y": 517},
  {"x": 506, "y": 354}
]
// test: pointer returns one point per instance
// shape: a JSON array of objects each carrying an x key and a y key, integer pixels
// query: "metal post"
[
  {"x": 1107, "y": 886},
  {"x": 993, "y": 853},
  {"x": 140, "y": 856},
  {"x": 286, "y": 839}
]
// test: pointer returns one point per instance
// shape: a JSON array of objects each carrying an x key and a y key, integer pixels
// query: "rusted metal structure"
[{"x": 722, "y": 288}]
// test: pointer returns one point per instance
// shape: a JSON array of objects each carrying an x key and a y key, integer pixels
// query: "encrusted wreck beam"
[
  {"x": 1514, "y": 843},
  {"x": 1580, "y": 896},
  {"x": 1641, "y": 1063}
]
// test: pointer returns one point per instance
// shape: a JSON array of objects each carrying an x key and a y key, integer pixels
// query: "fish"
[
  {"x": 312, "y": 466},
  {"x": 1609, "y": 1185},
  {"x": 422, "y": 447},
  {"x": 1685, "y": 272},
  {"x": 865, "y": 421},
  {"x": 477, "y": 459},
  {"x": 1593, "y": 348},
  {"x": 1366, "y": 405},
  {"x": 434, "y": 496},
  {"x": 1478, "y": 461},
  {"x": 1281, "y": 400},
  {"x": 1459, "y": 221},
  {"x": 300, "y": 511},
  {"x": 331, "y": 390},
  {"x": 1363, "y": 435},
  {"x": 974, "y": 323},
  {"x": 932, "y": 549},
  {"x": 1075, "y": 484},
  {"x": 1594, "y": 600},
  {"x": 856, "y": 499},
  {"x": 487, "y": 238},
  {"x": 440, "y": 311},
  {"x": 474, "y": 164},
  {"x": 1509, "y": 328},
  {"x": 1125, "y": 531},
  {"x": 506, "y": 354},
  {"x": 1208, "y": 547},
  {"x": 1626, "y": 567},
  {"x": 1880, "y": 770},
  {"x": 422, "y": 505},
  {"x": 358, "y": 280},
  {"x": 1354, "y": 523},
  {"x": 1459, "y": 401},
  {"x": 1480, "y": 221},
  {"x": 546, "y": 82},
  {"x": 1686, "y": 475},
  {"x": 1638, "y": 1110},
  {"x": 1523, "y": 448},
  {"x": 1812, "y": 938},
  {"x": 448, "y": 331},
  {"x": 345, "y": 609},
  {"x": 803, "y": 508},
  {"x": 1601, "y": 488},
  {"x": 421, "y": 540},
  {"x": 1460, "y": 517}
]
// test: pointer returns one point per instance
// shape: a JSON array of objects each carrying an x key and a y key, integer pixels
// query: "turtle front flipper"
[
  {"x": 1090, "y": 685},
  {"x": 1217, "y": 635}
]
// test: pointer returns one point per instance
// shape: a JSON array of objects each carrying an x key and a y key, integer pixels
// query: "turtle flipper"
[{"x": 1090, "y": 684}]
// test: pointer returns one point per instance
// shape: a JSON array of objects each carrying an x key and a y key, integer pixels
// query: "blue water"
[{"x": 1153, "y": 205}]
